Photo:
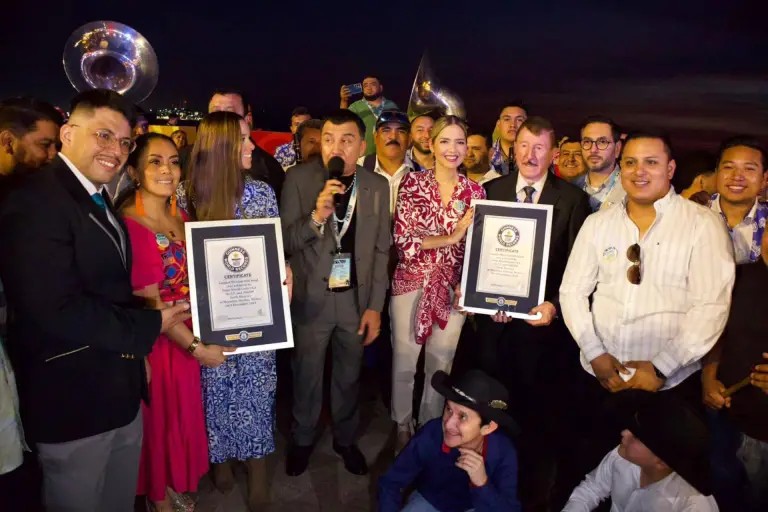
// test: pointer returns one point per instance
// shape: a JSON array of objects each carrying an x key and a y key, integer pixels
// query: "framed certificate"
[
  {"x": 236, "y": 275},
  {"x": 506, "y": 258}
]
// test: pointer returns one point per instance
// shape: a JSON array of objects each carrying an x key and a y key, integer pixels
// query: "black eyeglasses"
[
  {"x": 601, "y": 143},
  {"x": 633, "y": 272}
]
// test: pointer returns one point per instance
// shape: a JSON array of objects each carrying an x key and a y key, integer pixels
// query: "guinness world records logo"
[
  {"x": 236, "y": 259},
  {"x": 508, "y": 235}
]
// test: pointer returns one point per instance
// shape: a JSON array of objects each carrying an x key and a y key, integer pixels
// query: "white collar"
[
  {"x": 404, "y": 167},
  {"x": 748, "y": 218},
  {"x": 522, "y": 183},
  {"x": 85, "y": 182}
]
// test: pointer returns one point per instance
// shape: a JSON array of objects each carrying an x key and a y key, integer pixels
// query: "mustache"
[{"x": 393, "y": 143}]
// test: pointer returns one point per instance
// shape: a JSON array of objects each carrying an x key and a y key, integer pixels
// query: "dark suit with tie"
[
  {"x": 77, "y": 334},
  {"x": 534, "y": 362},
  {"x": 321, "y": 315}
]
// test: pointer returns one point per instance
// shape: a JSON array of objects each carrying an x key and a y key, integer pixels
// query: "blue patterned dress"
[{"x": 239, "y": 395}]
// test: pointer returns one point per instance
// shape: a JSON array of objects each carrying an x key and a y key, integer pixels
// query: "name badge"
[{"x": 341, "y": 271}]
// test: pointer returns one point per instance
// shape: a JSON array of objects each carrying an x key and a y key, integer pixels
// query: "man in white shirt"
[
  {"x": 647, "y": 288},
  {"x": 661, "y": 465},
  {"x": 739, "y": 179},
  {"x": 392, "y": 138}
]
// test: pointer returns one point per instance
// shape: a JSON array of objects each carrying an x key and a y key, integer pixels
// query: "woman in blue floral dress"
[{"x": 239, "y": 395}]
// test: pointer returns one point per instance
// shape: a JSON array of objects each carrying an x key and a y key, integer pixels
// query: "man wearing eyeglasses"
[
  {"x": 79, "y": 336},
  {"x": 659, "y": 270},
  {"x": 600, "y": 148}
]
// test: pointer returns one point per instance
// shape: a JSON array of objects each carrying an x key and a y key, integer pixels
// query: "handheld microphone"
[{"x": 335, "y": 170}]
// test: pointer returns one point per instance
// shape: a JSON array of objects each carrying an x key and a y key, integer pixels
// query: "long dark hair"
[
  {"x": 135, "y": 161},
  {"x": 216, "y": 181}
]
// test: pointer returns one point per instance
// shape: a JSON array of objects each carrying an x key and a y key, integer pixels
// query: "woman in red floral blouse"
[{"x": 432, "y": 216}]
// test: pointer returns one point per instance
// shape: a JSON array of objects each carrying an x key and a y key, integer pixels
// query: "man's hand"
[
  {"x": 501, "y": 317},
  {"x": 712, "y": 393},
  {"x": 173, "y": 315},
  {"x": 548, "y": 313},
  {"x": 607, "y": 368},
  {"x": 288, "y": 281},
  {"x": 473, "y": 463},
  {"x": 344, "y": 94},
  {"x": 645, "y": 377},
  {"x": 370, "y": 326},
  {"x": 759, "y": 377},
  {"x": 324, "y": 204}
]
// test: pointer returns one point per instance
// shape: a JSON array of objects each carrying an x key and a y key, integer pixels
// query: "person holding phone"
[{"x": 369, "y": 108}]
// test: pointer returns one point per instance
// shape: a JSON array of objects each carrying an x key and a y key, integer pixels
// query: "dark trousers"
[{"x": 21, "y": 489}]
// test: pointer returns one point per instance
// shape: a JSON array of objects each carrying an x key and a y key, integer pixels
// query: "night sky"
[{"x": 698, "y": 72}]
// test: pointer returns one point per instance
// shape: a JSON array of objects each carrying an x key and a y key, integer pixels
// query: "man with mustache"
[
  {"x": 537, "y": 359},
  {"x": 601, "y": 147},
  {"x": 477, "y": 161},
  {"x": 739, "y": 178},
  {"x": 420, "y": 153},
  {"x": 369, "y": 108},
  {"x": 570, "y": 163},
  {"x": 392, "y": 139},
  {"x": 512, "y": 115}
]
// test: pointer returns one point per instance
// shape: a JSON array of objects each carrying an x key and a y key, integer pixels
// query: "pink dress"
[{"x": 175, "y": 449}]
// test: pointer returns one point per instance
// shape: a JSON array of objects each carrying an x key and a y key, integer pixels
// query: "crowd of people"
[{"x": 640, "y": 383}]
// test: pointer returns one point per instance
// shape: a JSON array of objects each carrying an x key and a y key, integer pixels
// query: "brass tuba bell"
[
  {"x": 428, "y": 96},
  {"x": 111, "y": 55}
]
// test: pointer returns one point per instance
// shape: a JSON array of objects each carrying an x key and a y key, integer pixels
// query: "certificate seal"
[
  {"x": 508, "y": 235},
  {"x": 501, "y": 302},
  {"x": 459, "y": 205},
  {"x": 243, "y": 336},
  {"x": 236, "y": 259}
]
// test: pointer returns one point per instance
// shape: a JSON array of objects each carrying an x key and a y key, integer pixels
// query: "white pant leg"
[
  {"x": 405, "y": 353},
  {"x": 440, "y": 349}
]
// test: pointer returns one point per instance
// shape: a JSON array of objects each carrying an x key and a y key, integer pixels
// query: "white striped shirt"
[{"x": 677, "y": 312}]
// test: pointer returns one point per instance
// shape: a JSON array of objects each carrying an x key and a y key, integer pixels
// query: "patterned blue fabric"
[
  {"x": 286, "y": 154},
  {"x": 239, "y": 395}
]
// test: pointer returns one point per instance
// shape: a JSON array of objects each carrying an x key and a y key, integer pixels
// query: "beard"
[
  {"x": 372, "y": 97},
  {"x": 604, "y": 165},
  {"x": 421, "y": 149}
]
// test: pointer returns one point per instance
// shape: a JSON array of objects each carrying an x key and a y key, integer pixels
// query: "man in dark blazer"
[
  {"x": 78, "y": 335},
  {"x": 535, "y": 358},
  {"x": 337, "y": 235}
]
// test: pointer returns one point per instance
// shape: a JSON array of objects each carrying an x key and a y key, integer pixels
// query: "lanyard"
[{"x": 338, "y": 235}]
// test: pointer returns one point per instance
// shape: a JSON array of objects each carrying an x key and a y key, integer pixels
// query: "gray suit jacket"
[{"x": 311, "y": 253}]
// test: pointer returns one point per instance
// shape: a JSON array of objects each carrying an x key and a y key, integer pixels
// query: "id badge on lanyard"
[{"x": 341, "y": 270}]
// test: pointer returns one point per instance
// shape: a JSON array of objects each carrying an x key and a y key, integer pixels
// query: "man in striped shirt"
[{"x": 659, "y": 270}]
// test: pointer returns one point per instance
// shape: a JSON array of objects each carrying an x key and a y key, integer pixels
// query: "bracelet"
[
  {"x": 193, "y": 346},
  {"x": 312, "y": 218}
]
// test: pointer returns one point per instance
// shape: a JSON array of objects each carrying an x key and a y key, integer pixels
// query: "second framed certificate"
[
  {"x": 236, "y": 274},
  {"x": 506, "y": 257}
]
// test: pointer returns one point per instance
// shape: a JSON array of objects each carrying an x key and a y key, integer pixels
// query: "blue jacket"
[{"x": 431, "y": 465}]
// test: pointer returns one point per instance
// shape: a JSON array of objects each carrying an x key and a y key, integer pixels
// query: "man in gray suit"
[{"x": 337, "y": 236}]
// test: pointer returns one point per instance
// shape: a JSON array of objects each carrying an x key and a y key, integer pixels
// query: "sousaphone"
[
  {"x": 111, "y": 55},
  {"x": 429, "y": 97}
]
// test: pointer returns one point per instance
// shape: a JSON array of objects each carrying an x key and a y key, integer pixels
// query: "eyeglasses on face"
[
  {"x": 106, "y": 139},
  {"x": 601, "y": 143}
]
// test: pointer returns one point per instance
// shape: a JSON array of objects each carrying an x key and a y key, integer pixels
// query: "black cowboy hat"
[
  {"x": 479, "y": 392},
  {"x": 673, "y": 431}
]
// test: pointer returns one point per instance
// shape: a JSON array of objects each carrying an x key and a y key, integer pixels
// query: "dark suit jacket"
[
  {"x": 311, "y": 253},
  {"x": 77, "y": 331},
  {"x": 518, "y": 339}
]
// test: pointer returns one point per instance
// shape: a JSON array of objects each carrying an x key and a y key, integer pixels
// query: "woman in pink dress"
[
  {"x": 431, "y": 220},
  {"x": 175, "y": 447}
]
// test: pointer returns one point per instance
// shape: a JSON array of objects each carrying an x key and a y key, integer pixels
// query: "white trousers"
[{"x": 439, "y": 351}]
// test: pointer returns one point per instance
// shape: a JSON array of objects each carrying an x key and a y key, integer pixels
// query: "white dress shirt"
[
  {"x": 394, "y": 180},
  {"x": 677, "y": 312},
  {"x": 742, "y": 235},
  {"x": 538, "y": 186},
  {"x": 91, "y": 189},
  {"x": 620, "y": 479}
]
